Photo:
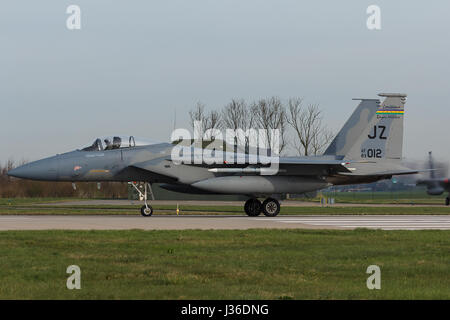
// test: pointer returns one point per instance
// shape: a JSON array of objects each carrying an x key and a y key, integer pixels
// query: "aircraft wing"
[
  {"x": 391, "y": 172},
  {"x": 287, "y": 166},
  {"x": 291, "y": 165},
  {"x": 368, "y": 168}
]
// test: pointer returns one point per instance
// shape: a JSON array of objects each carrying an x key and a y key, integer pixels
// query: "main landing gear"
[
  {"x": 146, "y": 209},
  {"x": 447, "y": 201},
  {"x": 270, "y": 207}
]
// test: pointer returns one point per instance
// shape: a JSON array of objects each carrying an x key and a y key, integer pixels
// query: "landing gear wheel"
[
  {"x": 271, "y": 207},
  {"x": 447, "y": 201},
  {"x": 146, "y": 211},
  {"x": 252, "y": 207}
]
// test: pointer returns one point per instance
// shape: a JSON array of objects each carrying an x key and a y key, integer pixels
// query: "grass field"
[
  {"x": 251, "y": 264},
  {"x": 19, "y": 208}
]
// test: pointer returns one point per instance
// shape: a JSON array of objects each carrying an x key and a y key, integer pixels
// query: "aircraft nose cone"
[
  {"x": 15, "y": 172},
  {"x": 45, "y": 169}
]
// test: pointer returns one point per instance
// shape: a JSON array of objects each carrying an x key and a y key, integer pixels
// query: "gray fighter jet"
[
  {"x": 368, "y": 148},
  {"x": 435, "y": 186}
]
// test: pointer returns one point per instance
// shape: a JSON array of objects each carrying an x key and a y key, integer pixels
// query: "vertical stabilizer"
[{"x": 383, "y": 136}]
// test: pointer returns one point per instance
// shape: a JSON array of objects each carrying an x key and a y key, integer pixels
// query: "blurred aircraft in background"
[{"x": 435, "y": 186}]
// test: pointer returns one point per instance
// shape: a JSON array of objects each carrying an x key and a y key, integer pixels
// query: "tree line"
[{"x": 300, "y": 126}]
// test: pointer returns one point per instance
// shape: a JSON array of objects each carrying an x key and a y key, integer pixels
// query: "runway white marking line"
[
  {"x": 373, "y": 222},
  {"x": 432, "y": 222},
  {"x": 366, "y": 221}
]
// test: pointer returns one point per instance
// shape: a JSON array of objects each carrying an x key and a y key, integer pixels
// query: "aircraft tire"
[
  {"x": 271, "y": 207},
  {"x": 447, "y": 201},
  {"x": 146, "y": 211},
  {"x": 252, "y": 207}
]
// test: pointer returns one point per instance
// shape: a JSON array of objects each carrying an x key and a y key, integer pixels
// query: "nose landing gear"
[
  {"x": 146, "y": 209},
  {"x": 270, "y": 207}
]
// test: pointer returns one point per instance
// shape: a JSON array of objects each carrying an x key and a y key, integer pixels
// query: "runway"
[{"x": 109, "y": 222}]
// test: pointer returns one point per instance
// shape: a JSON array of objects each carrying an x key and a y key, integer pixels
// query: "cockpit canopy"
[{"x": 117, "y": 142}]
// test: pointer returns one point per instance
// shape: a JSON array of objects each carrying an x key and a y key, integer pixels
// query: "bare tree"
[
  {"x": 211, "y": 120},
  {"x": 198, "y": 115},
  {"x": 236, "y": 115},
  {"x": 271, "y": 114},
  {"x": 311, "y": 135},
  {"x": 322, "y": 140}
]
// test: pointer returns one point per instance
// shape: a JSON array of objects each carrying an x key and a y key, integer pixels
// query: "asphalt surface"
[{"x": 104, "y": 222}]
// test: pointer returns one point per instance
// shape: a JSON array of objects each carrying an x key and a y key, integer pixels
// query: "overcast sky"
[{"x": 134, "y": 62}]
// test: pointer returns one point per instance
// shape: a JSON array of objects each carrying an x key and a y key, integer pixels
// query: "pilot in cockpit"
[
  {"x": 116, "y": 142},
  {"x": 108, "y": 144}
]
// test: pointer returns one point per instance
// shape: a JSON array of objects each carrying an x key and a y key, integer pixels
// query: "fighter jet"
[
  {"x": 435, "y": 186},
  {"x": 368, "y": 148}
]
